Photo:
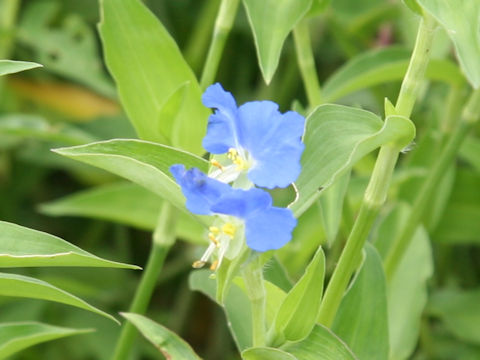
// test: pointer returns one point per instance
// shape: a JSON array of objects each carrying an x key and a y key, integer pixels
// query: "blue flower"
[
  {"x": 256, "y": 137},
  {"x": 266, "y": 227}
]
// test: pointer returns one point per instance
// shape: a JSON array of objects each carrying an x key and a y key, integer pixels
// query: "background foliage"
[{"x": 361, "y": 50}]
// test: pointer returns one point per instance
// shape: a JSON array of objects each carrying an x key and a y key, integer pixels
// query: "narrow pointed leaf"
[
  {"x": 461, "y": 20},
  {"x": 15, "y": 337},
  {"x": 362, "y": 320},
  {"x": 299, "y": 310},
  {"x": 271, "y": 21},
  {"x": 27, "y": 287},
  {"x": 166, "y": 341},
  {"x": 24, "y": 247},
  {"x": 141, "y": 162},
  {"x": 157, "y": 88},
  {"x": 11, "y": 67},
  {"x": 335, "y": 138}
]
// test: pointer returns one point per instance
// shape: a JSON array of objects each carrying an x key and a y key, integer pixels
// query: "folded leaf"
[
  {"x": 335, "y": 138},
  {"x": 299, "y": 310}
]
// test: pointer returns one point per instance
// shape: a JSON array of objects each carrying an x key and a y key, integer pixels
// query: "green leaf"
[
  {"x": 36, "y": 127},
  {"x": 24, "y": 247},
  {"x": 362, "y": 317},
  {"x": 413, "y": 5},
  {"x": 141, "y": 162},
  {"x": 459, "y": 223},
  {"x": 266, "y": 353},
  {"x": 460, "y": 18},
  {"x": 11, "y": 67},
  {"x": 27, "y": 287},
  {"x": 271, "y": 21},
  {"x": 15, "y": 337},
  {"x": 318, "y": 7},
  {"x": 470, "y": 151},
  {"x": 407, "y": 290},
  {"x": 381, "y": 66},
  {"x": 275, "y": 273},
  {"x": 124, "y": 203},
  {"x": 321, "y": 344},
  {"x": 166, "y": 341},
  {"x": 64, "y": 43},
  {"x": 157, "y": 88},
  {"x": 459, "y": 311},
  {"x": 335, "y": 138},
  {"x": 298, "y": 312},
  {"x": 331, "y": 206}
]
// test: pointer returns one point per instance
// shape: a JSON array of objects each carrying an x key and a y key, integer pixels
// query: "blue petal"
[
  {"x": 222, "y": 125},
  {"x": 269, "y": 229},
  {"x": 242, "y": 203},
  {"x": 200, "y": 190},
  {"x": 274, "y": 141}
]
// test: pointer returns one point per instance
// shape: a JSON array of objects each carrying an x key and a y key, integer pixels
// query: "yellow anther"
[
  {"x": 232, "y": 153},
  {"x": 214, "y": 265},
  {"x": 229, "y": 229},
  {"x": 237, "y": 159},
  {"x": 213, "y": 229},
  {"x": 213, "y": 239},
  {"x": 198, "y": 264},
  {"x": 216, "y": 164}
]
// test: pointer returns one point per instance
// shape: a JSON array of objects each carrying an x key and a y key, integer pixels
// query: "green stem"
[
  {"x": 306, "y": 63},
  {"x": 452, "y": 109},
  {"x": 8, "y": 16},
  {"x": 163, "y": 238},
  {"x": 420, "y": 206},
  {"x": 374, "y": 197},
  {"x": 253, "y": 276},
  {"x": 223, "y": 25},
  {"x": 416, "y": 69},
  {"x": 376, "y": 192}
]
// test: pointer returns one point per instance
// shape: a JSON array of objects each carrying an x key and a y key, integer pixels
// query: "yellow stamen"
[
  {"x": 229, "y": 229},
  {"x": 214, "y": 265},
  {"x": 232, "y": 153},
  {"x": 213, "y": 229},
  {"x": 216, "y": 164},
  {"x": 213, "y": 239},
  {"x": 237, "y": 159},
  {"x": 198, "y": 264}
]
